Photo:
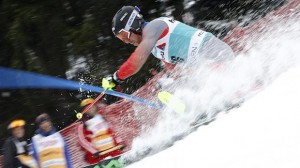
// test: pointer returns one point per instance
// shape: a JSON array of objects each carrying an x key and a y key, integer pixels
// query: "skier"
[
  {"x": 169, "y": 40},
  {"x": 97, "y": 136},
  {"x": 16, "y": 154},
  {"x": 48, "y": 146}
]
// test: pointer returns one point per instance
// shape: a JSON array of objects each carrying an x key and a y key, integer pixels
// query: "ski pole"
[{"x": 79, "y": 115}]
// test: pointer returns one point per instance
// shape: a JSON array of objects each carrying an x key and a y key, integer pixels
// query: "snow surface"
[{"x": 263, "y": 132}]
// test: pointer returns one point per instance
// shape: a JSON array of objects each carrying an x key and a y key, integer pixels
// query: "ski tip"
[
  {"x": 164, "y": 96},
  {"x": 171, "y": 101}
]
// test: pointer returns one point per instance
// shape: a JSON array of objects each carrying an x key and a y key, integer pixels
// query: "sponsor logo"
[
  {"x": 194, "y": 49},
  {"x": 176, "y": 59},
  {"x": 172, "y": 20},
  {"x": 131, "y": 19},
  {"x": 125, "y": 14},
  {"x": 162, "y": 50},
  {"x": 162, "y": 54},
  {"x": 200, "y": 33}
]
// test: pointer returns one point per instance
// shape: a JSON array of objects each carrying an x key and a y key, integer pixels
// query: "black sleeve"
[{"x": 9, "y": 154}]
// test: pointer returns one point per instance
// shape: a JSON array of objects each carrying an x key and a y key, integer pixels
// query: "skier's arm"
[{"x": 151, "y": 34}]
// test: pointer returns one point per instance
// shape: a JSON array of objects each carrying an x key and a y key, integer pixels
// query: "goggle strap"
[{"x": 131, "y": 19}]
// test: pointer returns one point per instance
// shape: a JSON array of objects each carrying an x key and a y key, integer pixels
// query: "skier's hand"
[{"x": 111, "y": 81}]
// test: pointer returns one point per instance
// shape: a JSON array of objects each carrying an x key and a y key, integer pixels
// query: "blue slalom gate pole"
[{"x": 17, "y": 79}]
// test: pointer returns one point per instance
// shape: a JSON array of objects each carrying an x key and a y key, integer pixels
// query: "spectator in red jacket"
[{"x": 96, "y": 135}]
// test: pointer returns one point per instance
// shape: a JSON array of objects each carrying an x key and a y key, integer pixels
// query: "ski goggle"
[
  {"x": 16, "y": 123},
  {"x": 128, "y": 33},
  {"x": 130, "y": 21}
]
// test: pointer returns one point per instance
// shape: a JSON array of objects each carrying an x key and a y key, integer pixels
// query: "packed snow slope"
[{"x": 263, "y": 132}]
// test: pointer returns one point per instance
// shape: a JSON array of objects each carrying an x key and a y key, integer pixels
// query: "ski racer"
[
  {"x": 96, "y": 136},
  {"x": 48, "y": 146},
  {"x": 16, "y": 154},
  {"x": 169, "y": 40}
]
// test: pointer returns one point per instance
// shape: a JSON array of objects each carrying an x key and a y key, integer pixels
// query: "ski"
[{"x": 171, "y": 101}]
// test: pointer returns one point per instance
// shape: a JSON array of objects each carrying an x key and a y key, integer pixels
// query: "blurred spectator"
[
  {"x": 48, "y": 146},
  {"x": 96, "y": 136},
  {"x": 15, "y": 148}
]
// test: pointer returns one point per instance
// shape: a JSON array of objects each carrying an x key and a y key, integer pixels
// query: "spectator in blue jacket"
[{"x": 48, "y": 146}]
